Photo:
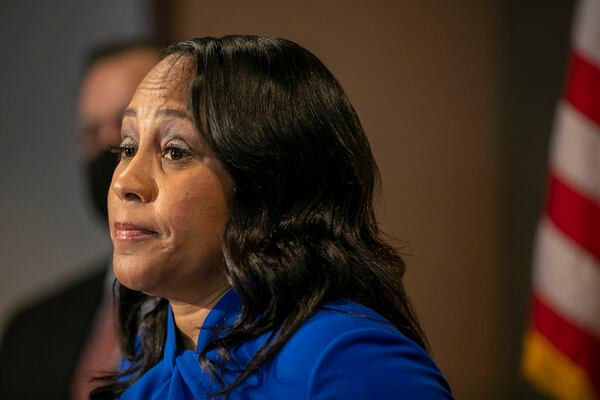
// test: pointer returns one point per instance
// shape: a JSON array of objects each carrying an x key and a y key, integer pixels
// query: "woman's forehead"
[{"x": 169, "y": 79}]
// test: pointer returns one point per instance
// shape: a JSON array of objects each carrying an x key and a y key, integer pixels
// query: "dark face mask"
[{"x": 99, "y": 173}]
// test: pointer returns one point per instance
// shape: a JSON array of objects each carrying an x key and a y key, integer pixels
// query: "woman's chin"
[{"x": 134, "y": 278}]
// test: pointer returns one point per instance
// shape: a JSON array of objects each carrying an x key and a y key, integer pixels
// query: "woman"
[{"x": 245, "y": 243}]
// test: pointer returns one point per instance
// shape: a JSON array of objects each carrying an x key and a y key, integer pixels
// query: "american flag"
[{"x": 561, "y": 353}]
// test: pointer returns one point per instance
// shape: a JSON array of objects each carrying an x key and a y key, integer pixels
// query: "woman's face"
[{"x": 168, "y": 201}]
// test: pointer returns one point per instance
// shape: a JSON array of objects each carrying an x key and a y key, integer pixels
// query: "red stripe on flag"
[
  {"x": 576, "y": 215},
  {"x": 577, "y": 344},
  {"x": 583, "y": 87}
]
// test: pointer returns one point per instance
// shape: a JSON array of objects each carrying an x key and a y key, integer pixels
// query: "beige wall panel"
[{"x": 423, "y": 79}]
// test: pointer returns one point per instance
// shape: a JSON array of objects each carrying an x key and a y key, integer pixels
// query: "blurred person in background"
[{"x": 54, "y": 346}]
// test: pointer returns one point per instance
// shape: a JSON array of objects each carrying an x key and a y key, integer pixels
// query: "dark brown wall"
[
  {"x": 534, "y": 56},
  {"x": 422, "y": 78}
]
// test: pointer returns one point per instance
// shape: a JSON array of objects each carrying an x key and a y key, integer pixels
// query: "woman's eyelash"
[
  {"x": 175, "y": 153},
  {"x": 170, "y": 152},
  {"x": 123, "y": 150}
]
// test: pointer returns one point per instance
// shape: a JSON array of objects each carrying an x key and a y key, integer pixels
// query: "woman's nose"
[{"x": 133, "y": 180}]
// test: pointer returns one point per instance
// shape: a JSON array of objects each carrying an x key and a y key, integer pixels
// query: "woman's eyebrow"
[
  {"x": 128, "y": 112},
  {"x": 173, "y": 112},
  {"x": 164, "y": 112}
]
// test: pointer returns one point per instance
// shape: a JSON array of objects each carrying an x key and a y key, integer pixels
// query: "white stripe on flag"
[
  {"x": 586, "y": 35},
  {"x": 567, "y": 277},
  {"x": 575, "y": 153}
]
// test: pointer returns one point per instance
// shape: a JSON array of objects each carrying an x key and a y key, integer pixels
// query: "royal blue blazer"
[{"x": 343, "y": 351}]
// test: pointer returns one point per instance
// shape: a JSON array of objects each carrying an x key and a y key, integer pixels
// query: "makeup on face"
[{"x": 169, "y": 197}]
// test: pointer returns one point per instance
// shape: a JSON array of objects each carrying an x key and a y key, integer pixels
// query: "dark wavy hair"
[{"x": 302, "y": 229}]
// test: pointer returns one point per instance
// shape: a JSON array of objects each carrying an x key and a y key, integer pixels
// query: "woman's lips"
[{"x": 129, "y": 231}]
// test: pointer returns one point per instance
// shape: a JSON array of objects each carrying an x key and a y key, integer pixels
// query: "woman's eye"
[
  {"x": 125, "y": 150},
  {"x": 175, "y": 153}
]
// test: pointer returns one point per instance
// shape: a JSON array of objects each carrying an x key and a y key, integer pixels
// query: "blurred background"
[{"x": 457, "y": 98}]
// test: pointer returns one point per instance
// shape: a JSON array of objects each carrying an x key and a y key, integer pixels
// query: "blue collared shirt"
[{"x": 343, "y": 351}]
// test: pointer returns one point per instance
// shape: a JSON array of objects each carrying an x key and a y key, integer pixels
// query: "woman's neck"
[{"x": 189, "y": 318}]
